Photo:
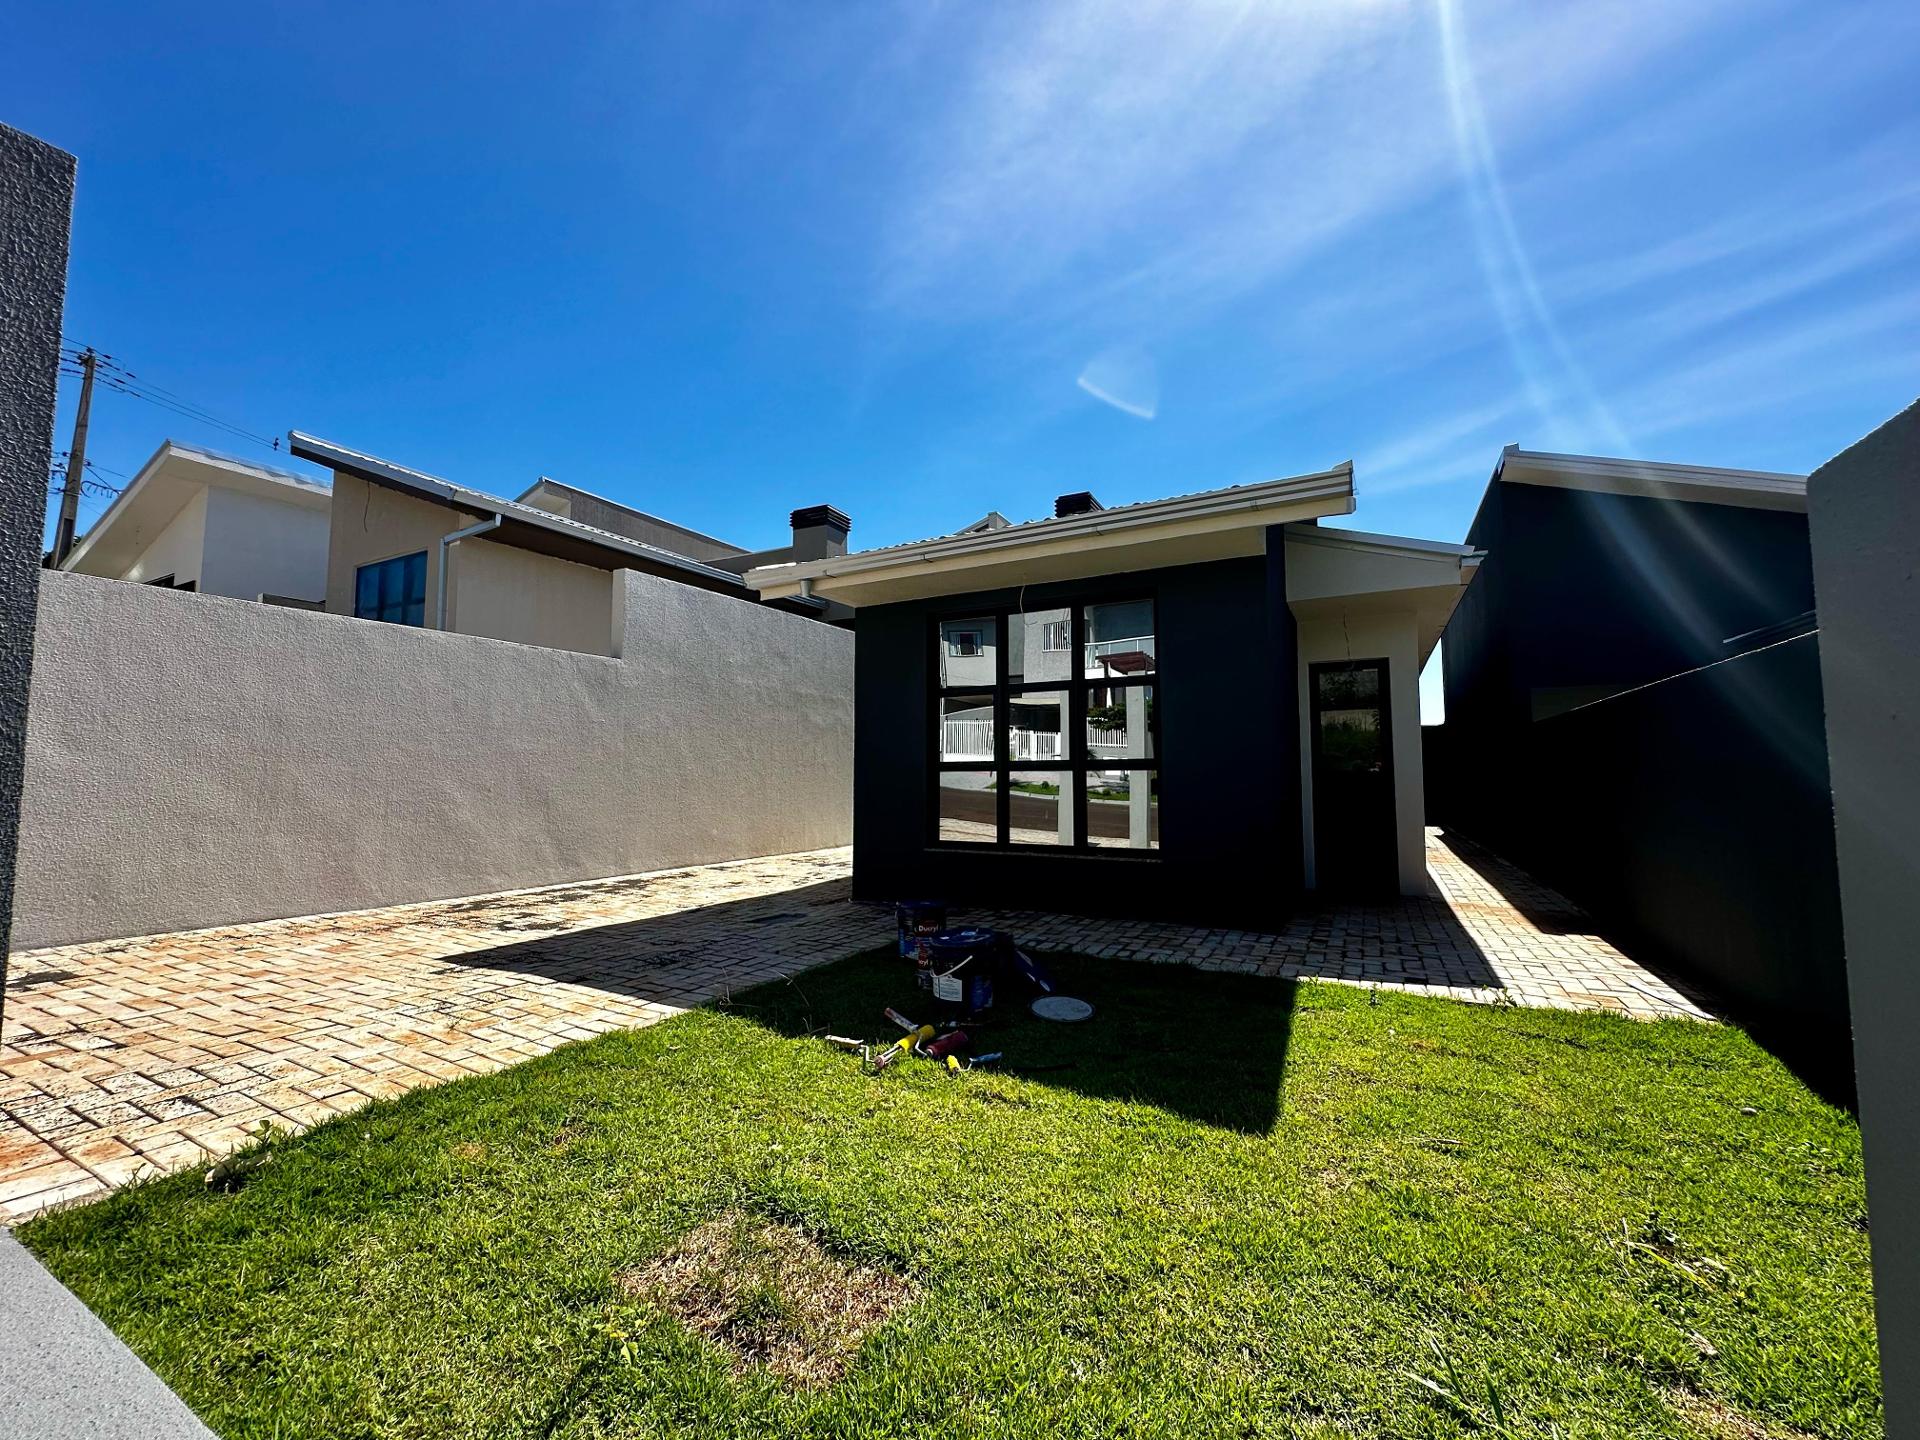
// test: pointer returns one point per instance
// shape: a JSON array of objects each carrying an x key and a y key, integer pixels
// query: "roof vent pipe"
[{"x": 1081, "y": 502}]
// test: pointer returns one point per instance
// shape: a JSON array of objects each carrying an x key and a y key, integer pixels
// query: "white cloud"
[
  {"x": 1094, "y": 157},
  {"x": 1124, "y": 376}
]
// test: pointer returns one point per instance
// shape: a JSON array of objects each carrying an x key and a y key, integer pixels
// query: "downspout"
[{"x": 447, "y": 542}]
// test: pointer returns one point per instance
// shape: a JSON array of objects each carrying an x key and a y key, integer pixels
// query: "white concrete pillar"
[{"x": 1139, "y": 802}]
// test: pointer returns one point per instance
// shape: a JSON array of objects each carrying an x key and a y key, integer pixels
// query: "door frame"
[{"x": 1383, "y": 664}]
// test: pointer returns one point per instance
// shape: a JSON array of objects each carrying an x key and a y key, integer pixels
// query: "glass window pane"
[
  {"x": 967, "y": 652},
  {"x": 416, "y": 581},
  {"x": 1123, "y": 809},
  {"x": 393, "y": 582},
  {"x": 366, "y": 591},
  {"x": 968, "y": 807},
  {"x": 1353, "y": 740},
  {"x": 1120, "y": 722},
  {"x": 1040, "y": 807},
  {"x": 1359, "y": 684},
  {"x": 966, "y": 727},
  {"x": 1120, "y": 640},
  {"x": 414, "y": 613},
  {"x": 1030, "y": 654},
  {"x": 1037, "y": 727}
]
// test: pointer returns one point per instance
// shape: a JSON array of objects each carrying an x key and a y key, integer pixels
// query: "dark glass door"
[{"x": 1353, "y": 823}]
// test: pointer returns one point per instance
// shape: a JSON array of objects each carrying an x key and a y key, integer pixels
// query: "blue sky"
[{"x": 923, "y": 260}]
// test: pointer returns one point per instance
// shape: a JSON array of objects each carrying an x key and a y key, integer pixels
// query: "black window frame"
[
  {"x": 1074, "y": 769},
  {"x": 406, "y": 603}
]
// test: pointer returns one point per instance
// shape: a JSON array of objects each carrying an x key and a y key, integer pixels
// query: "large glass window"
[
  {"x": 392, "y": 590},
  {"x": 1050, "y": 739}
]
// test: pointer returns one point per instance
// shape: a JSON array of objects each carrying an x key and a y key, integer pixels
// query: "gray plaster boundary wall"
[{"x": 194, "y": 761}]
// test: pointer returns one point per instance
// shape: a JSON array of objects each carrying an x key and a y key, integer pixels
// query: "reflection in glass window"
[
  {"x": 1037, "y": 727},
  {"x": 1353, "y": 735},
  {"x": 1120, "y": 722},
  {"x": 1030, "y": 656},
  {"x": 1051, "y": 740},
  {"x": 1120, "y": 640},
  {"x": 967, "y": 651},
  {"x": 1123, "y": 809},
  {"x": 1040, "y": 807},
  {"x": 968, "y": 807},
  {"x": 966, "y": 727}
]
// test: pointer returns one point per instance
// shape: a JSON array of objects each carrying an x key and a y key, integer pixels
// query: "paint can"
[
  {"x": 965, "y": 966},
  {"x": 918, "y": 922}
]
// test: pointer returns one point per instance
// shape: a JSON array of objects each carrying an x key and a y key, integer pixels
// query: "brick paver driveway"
[{"x": 147, "y": 1055}]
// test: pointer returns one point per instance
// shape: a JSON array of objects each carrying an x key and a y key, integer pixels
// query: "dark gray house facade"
[
  {"x": 1634, "y": 714},
  {"x": 1194, "y": 708}
]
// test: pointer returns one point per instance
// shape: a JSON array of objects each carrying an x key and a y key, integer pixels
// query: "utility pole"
[{"x": 76, "y": 473}]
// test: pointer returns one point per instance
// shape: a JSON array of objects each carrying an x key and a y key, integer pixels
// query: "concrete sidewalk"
[{"x": 65, "y": 1376}]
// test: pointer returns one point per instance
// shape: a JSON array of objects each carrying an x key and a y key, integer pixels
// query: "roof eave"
[
  {"x": 563, "y": 539},
  {"x": 955, "y": 558},
  {"x": 1654, "y": 479}
]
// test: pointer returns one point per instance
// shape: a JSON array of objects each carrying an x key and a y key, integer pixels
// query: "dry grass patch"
[
  {"x": 771, "y": 1296},
  {"x": 1712, "y": 1420}
]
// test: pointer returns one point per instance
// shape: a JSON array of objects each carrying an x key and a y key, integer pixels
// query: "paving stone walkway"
[{"x": 150, "y": 1055}]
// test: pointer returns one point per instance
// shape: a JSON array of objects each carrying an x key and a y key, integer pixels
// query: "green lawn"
[{"x": 1246, "y": 1208}]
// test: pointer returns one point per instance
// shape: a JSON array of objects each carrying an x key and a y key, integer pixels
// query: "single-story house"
[
  {"x": 1201, "y": 706},
  {"x": 412, "y": 549},
  {"x": 191, "y": 519}
]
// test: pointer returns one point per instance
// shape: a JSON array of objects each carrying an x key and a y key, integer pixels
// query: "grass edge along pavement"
[{"x": 1225, "y": 1206}]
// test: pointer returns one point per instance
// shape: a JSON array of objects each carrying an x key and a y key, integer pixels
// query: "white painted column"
[{"x": 1139, "y": 807}]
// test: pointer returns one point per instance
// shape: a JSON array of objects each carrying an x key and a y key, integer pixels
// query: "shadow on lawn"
[
  {"x": 1205, "y": 1046},
  {"x": 1200, "y": 1044}
]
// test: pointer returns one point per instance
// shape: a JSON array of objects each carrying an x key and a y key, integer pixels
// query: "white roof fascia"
[
  {"x": 1657, "y": 479},
  {"x": 1188, "y": 512},
  {"x": 1407, "y": 545}
]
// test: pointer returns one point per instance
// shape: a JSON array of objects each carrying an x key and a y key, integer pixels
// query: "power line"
[{"x": 118, "y": 378}]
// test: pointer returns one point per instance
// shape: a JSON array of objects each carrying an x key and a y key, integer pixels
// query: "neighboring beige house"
[
  {"x": 531, "y": 570},
  {"x": 195, "y": 520},
  {"x": 604, "y": 514}
]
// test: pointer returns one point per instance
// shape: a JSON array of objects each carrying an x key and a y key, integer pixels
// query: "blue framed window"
[{"x": 392, "y": 590}]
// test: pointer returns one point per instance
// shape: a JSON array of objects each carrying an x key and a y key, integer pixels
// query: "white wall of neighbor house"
[
  {"x": 197, "y": 761},
  {"x": 179, "y": 549},
  {"x": 257, "y": 546},
  {"x": 498, "y": 591},
  {"x": 1394, "y": 637},
  {"x": 507, "y": 593}
]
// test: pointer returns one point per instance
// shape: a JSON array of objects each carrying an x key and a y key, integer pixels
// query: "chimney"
[
  {"x": 819, "y": 531},
  {"x": 1081, "y": 502}
]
